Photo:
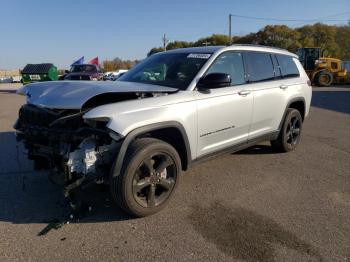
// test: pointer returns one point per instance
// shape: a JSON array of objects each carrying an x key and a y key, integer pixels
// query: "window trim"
[{"x": 245, "y": 66}]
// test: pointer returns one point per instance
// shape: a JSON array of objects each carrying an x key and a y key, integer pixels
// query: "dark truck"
[{"x": 84, "y": 72}]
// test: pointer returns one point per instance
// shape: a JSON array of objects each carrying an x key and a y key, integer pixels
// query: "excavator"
[{"x": 323, "y": 71}]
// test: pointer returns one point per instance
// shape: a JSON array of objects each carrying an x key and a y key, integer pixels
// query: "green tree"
[
  {"x": 215, "y": 39},
  {"x": 247, "y": 39},
  {"x": 342, "y": 37},
  {"x": 334, "y": 40},
  {"x": 279, "y": 36},
  {"x": 155, "y": 50},
  {"x": 306, "y": 36}
]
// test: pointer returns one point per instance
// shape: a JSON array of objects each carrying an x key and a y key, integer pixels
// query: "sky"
[{"x": 62, "y": 31}]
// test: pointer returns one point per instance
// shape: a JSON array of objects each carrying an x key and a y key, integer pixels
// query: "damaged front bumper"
[{"x": 77, "y": 152}]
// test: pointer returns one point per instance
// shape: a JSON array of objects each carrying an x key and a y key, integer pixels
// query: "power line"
[
  {"x": 293, "y": 20},
  {"x": 320, "y": 19}
]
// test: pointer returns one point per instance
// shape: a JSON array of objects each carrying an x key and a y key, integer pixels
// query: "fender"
[
  {"x": 295, "y": 99},
  {"x": 142, "y": 130}
]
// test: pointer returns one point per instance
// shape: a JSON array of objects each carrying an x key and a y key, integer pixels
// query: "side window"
[
  {"x": 287, "y": 65},
  {"x": 259, "y": 66},
  {"x": 334, "y": 65},
  {"x": 229, "y": 63}
]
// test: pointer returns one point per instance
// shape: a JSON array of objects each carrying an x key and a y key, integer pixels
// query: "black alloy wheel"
[
  {"x": 148, "y": 178},
  {"x": 154, "y": 180},
  {"x": 290, "y": 133}
]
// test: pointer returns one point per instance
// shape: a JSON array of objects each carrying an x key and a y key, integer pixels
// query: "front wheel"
[
  {"x": 290, "y": 133},
  {"x": 148, "y": 178}
]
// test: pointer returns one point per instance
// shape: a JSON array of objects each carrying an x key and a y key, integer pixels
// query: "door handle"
[
  {"x": 244, "y": 93},
  {"x": 283, "y": 87}
]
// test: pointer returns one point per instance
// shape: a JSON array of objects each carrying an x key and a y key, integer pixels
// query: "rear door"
[
  {"x": 224, "y": 114},
  {"x": 268, "y": 91}
]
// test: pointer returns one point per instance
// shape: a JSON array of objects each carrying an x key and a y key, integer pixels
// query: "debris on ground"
[{"x": 54, "y": 224}]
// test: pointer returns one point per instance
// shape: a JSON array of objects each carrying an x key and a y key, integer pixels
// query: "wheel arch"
[
  {"x": 171, "y": 132},
  {"x": 297, "y": 103}
]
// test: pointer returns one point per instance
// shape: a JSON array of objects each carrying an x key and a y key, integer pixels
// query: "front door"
[{"x": 224, "y": 114}]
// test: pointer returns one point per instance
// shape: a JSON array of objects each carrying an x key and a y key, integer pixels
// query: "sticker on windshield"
[{"x": 201, "y": 56}]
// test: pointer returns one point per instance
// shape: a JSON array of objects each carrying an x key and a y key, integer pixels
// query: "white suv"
[{"x": 168, "y": 112}]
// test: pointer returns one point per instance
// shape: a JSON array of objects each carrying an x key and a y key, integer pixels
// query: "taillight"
[{"x": 309, "y": 83}]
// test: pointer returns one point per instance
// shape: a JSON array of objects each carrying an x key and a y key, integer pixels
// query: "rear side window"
[
  {"x": 259, "y": 66},
  {"x": 287, "y": 66}
]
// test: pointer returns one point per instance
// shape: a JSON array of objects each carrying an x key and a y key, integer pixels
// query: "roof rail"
[{"x": 257, "y": 45}]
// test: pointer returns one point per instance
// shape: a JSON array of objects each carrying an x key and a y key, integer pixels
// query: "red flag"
[{"x": 94, "y": 61}]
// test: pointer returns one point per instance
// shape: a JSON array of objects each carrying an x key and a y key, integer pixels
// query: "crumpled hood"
[{"x": 73, "y": 94}]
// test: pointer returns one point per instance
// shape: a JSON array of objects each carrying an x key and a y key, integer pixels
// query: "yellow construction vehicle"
[{"x": 323, "y": 71}]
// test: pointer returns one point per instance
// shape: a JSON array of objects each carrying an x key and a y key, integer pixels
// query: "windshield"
[
  {"x": 167, "y": 69},
  {"x": 83, "y": 68}
]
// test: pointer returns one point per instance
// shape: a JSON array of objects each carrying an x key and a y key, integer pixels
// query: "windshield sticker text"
[{"x": 201, "y": 56}]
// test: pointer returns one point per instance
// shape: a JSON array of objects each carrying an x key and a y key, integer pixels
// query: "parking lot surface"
[{"x": 254, "y": 205}]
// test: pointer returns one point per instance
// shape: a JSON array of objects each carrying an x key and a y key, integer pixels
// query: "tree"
[
  {"x": 334, "y": 40},
  {"x": 215, "y": 39},
  {"x": 155, "y": 50},
  {"x": 178, "y": 44},
  {"x": 279, "y": 36},
  {"x": 117, "y": 63},
  {"x": 247, "y": 39},
  {"x": 342, "y": 37}
]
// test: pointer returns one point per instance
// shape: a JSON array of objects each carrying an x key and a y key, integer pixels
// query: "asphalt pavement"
[{"x": 254, "y": 205}]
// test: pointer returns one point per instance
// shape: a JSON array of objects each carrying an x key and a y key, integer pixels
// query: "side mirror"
[
  {"x": 214, "y": 80},
  {"x": 66, "y": 71}
]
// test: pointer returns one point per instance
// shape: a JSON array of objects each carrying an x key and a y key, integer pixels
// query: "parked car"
[
  {"x": 17, "y": 79},
  {"x": 107, "y": 75},
  {"x": 118, "y": 74},
  {"x": 112, "y": 76},
  {"x": 84, "y": 72},
  {"x": 7, "y": 79},
  {"x": 172, "y": 110}
]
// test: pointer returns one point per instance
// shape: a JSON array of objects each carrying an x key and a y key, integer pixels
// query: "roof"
[
  {"x": 200, "y": 49},
  {"x": 37, "y": 68},
  {"x": 242, "y": 47}
]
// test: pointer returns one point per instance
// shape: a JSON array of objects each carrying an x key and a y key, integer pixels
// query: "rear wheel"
[
  {"x": 290, "y": 133},
  {"x": 148, "y": 177},
  {"x": 324, "y": 78}
]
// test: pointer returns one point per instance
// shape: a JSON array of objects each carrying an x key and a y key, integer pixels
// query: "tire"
[
  {"x": 148, "y": 178},
  {"x": 324, "y": 79},
  {"x": 290, "y": 134}
]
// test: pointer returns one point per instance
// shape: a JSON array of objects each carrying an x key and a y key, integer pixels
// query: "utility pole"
[
  {"x": 165, "y": 41},
  {"x": 229, "y": 27}
]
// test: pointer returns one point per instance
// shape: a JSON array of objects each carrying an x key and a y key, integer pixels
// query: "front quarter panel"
[{"x": 127, "y": 116}]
